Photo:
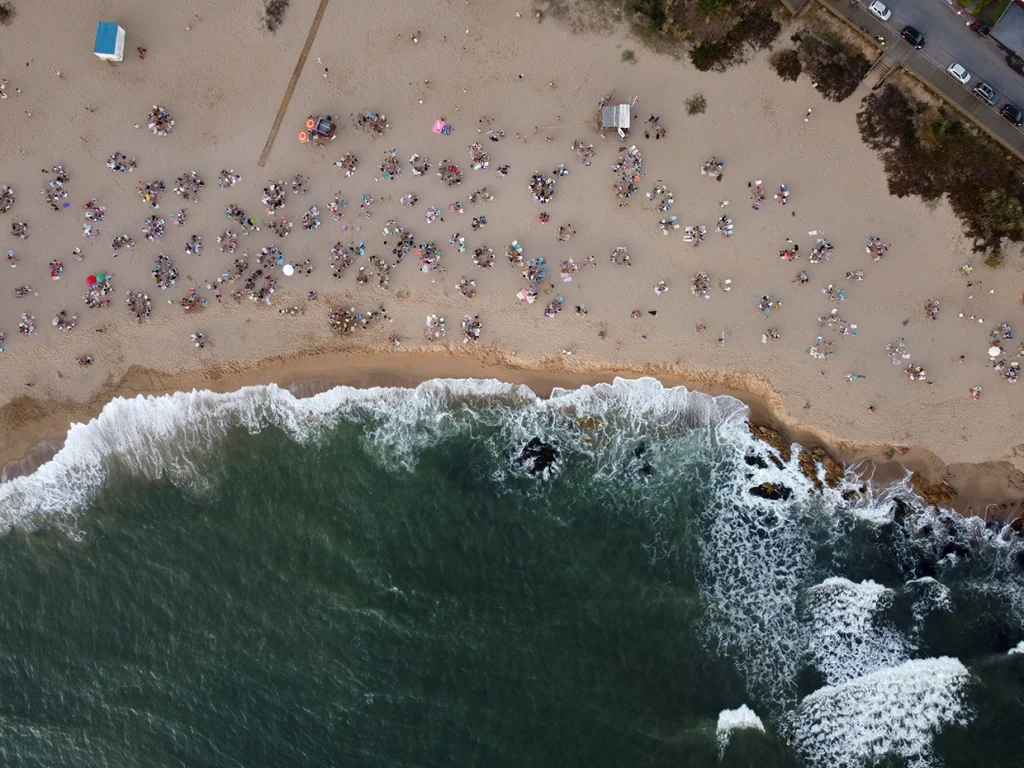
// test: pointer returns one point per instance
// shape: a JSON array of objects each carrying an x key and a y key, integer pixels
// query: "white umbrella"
[
  {"x": 994, "y": 351},
  {"x": 288, "y": 270}
]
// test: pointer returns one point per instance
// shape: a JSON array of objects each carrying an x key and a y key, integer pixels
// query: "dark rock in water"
[
  {"x": 755, "y": 461},
  {"x": 900, "y": 510},
  {"x": 809, "y": 461},
  {"x": 956, "y": 548},
  {"x": 645, "y": 467},
  {"x": 771, "y": 492},
  {"x": 856, "y": 493},
  {"x": 774, "y": 438},
  {"x": 926, "y": 566},
  {"x": 537, "y": 456},
  {"x": 1020, "y": 559}
]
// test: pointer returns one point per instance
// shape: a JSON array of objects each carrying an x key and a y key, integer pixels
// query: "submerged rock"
[
  {"x": 809, "y": 461},
  {"x": 755, "y": 461},
  {"x": 960, "y": 549},
  {"x": 537, "y": 456},
  {"x": 771, "y": 492},
  {"x": 855, "y": 493},
  {"x": 900, "y": 510},
  {"x": 936, "y": 492},
  {"x": 773, "y": 438},
  {"x": 645, "y": 467}
]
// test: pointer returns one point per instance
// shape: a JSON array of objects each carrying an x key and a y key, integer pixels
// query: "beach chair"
[{"x": 688, "y": 235}]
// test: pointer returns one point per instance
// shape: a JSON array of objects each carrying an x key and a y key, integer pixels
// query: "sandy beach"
[{"x": 222, "y": 76}]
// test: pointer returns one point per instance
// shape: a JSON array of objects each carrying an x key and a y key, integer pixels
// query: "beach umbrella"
[
  {"x": 100, "y": 277},
  {"x": 995, "y": 351},
  {"x": 90, "y": 280},
  {"x": 288, "y": 270}
]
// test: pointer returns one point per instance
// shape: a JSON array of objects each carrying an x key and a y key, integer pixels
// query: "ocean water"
[{"x": 372, "y": 578}]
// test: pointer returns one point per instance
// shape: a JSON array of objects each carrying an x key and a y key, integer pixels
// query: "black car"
[
  {"x": 1011, "y": 113},
  {"x": 980, "y": 27},
  {"x": 913, "y": 37}
]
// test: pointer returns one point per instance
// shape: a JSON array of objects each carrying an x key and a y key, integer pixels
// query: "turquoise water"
[{"x": 369, "y": 578}]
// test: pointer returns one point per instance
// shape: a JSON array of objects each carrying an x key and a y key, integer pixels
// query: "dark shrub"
[
  {"x": 929, "y": 153},
  {"x": 786, "y": 64},
  {"x": 275, "y": 13},
  {"x": 834, "y": 66}
]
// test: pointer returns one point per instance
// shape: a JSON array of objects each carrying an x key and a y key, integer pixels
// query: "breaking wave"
[
  {"x": 847, "y": 634},
  {"x": 730, "y": 720},
  {"x": 891, "y": 712}
]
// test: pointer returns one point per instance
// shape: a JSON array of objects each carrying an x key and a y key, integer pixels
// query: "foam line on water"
[
  {"x": 894, "y": 711},
  {"x": 167, "y": 436},
  {"x": 730, "y": 720}
]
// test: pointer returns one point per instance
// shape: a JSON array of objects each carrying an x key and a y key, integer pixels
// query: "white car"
[
  {"x": 880, "y": 10},
  {"x": 959, "y": 73}
]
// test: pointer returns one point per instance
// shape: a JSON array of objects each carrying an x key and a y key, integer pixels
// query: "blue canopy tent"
[{"x": 109, "y": 41}]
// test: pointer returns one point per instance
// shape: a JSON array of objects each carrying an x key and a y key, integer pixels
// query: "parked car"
[
  {"x": 913, "y": 37},
  {"x": 1011, "y": 113},
  {"x": 959, "y": 73},
  {"x": 879, "y": 10},
  {"x": 984, "y": 92},
  {"x": 980, "y": 27}
]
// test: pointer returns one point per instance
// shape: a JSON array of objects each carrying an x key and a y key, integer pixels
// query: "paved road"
[{"x": 949, "y": 39}]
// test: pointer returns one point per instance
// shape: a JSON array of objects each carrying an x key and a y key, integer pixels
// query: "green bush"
[
  {"x": 930, "y": 153},
  {"x": 628, "y": 55},
  {"x": 786, "y": 64}
]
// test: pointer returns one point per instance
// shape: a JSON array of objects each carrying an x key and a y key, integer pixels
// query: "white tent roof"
[{"x": 615, "y": 116}]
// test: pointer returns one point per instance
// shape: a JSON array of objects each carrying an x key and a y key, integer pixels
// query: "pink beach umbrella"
[{"x": 90, "y": 280}]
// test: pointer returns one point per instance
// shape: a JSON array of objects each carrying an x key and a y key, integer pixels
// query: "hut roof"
[{"x": 615, "y": 116}]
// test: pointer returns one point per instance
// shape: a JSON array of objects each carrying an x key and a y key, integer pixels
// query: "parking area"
[
  {"x": 929, "y": 65},
  {"x": 1010, "y": 30}
]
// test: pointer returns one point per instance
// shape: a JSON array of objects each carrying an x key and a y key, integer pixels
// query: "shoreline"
[
  {"x": 34, "y": 429},
  {"x": 755, "y": 312}
]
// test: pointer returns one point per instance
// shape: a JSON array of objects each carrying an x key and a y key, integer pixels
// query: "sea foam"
[
  {"x": 847, "y": 636},
  {"x": 889, "y": 712}
]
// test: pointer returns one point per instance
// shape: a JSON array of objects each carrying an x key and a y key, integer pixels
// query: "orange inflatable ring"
[
  {"x": 310, "y": 123},
  {"x": 303, "y": 137}
]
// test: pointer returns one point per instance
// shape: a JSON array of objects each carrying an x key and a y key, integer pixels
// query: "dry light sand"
[{"x": 222, "y": 77}]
